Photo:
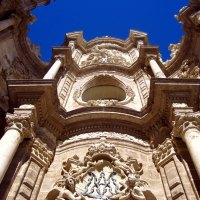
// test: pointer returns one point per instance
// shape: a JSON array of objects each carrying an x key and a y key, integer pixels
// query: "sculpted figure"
[
  {"x": 64, "y": 193},
  {"x": 131, "y": 189}
]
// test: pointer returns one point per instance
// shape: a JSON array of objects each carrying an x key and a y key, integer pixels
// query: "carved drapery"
[{"x": 103, "y": 174}]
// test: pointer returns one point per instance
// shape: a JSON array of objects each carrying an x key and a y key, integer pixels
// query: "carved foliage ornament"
[
  {"x": 163, "y": 152},
  {"x": 42, "y": 153},
  {"x": 103, "y": 174},
  {"x": 23, "y": 120}
]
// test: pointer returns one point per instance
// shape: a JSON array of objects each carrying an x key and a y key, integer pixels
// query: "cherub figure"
[{"x": 65, "y": 192}]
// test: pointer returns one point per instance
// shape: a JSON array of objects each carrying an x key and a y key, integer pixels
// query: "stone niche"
[{"x": 102, "y": 165}]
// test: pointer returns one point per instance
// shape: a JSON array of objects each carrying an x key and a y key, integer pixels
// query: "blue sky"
[{"x": 107, "y": 18}]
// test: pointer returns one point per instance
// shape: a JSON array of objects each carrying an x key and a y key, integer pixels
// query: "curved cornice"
[
  {"x": 122, "y": 45},
  {"x": 163, "y": 92}
]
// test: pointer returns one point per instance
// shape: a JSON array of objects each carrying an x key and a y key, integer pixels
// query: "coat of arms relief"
[{"x": 103, "y": 175}]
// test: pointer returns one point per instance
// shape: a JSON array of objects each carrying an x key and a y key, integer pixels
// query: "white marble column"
[
  {"x": 12, "y": 21},
  {"x": 155, "y": 68},
  {"x": 187, "y": 126},
  {"x": 8, "y": 146},
  {"x": 54, "y": 69},
  {"x": 19, "y": 126}
]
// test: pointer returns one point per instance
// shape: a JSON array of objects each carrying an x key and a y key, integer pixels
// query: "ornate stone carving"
[
  {"x": 42, "y": 153},
  {"x": 185, "y": 121},
  {"x": 174, "y": 48},
  {"x": 14, "y": 69},
  {"x": 163, "y": 152},
  {"x": 102, "y": 55},
  {"x": 113, "y": 135},
  {"x": 104, "y": 174},
  {"x": 190, "y": 68},
  {"x": 24, "y": 119}
]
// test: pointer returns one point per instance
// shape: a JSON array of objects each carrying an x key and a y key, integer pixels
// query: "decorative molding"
[
  {"x": 104, "y": 174},
  {"x": 112, "y": 135}
]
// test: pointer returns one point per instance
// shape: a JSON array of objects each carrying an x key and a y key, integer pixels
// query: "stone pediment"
[{"x": 103, "y": 174}]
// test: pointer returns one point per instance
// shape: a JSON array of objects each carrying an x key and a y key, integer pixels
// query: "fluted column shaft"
[
  {"x": 155, "y": 68},
  {"x": 54, "y": 69}
]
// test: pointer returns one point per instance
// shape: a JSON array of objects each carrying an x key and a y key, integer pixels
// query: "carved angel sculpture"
[{"x": 64, "y": 193}]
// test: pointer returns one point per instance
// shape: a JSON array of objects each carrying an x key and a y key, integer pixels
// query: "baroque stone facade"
[{"x": 105, "y": 119}]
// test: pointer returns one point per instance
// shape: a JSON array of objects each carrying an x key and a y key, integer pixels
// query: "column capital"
[
  {"x": 163, "y": 153},
  {"x": 41, "y": 153},
  {"x": 61, "y": 58},
  {"x": 185, "y": 121},
  {"x": 149, "y": 58},
  {"x": 23, "y": 119}
]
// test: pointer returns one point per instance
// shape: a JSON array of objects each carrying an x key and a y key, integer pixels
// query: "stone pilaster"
[
  {"x": 39, "y": 162},
  {"x": 164, "y": 158}
]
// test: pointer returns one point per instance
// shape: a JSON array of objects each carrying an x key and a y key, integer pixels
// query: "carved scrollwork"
[{"x": 103, "y": 174}]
